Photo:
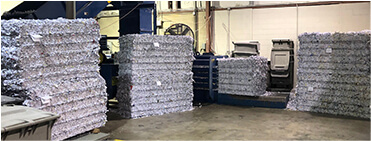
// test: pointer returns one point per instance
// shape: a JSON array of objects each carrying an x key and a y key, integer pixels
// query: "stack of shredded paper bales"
[
  {"x": 243, "y": 76},
  {"x": 155, "y": 75},
  {"x": 54, "y": 65},
  {"x": 333, "y": 74}
]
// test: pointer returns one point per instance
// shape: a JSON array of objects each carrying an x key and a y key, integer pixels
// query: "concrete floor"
[{"x": 221, "y": 122}]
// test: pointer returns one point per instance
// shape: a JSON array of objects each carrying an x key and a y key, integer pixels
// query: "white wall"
[
  {"x": 241, "y": 31},
  {"x": 273, "y": 23},
  {"x": 344, "y": 17},
  {"x": 221, "y": 36},
  {"x": 226, "y": 30},
  {"x": 226, "y": 4},
  {"x": 267, "y": 23}
]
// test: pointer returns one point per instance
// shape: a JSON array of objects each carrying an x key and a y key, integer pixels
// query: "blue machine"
[
  {"x": 204, "y": 70},
  {"x": 138, "y": 16},
  {"x": 205, "y": 75}
]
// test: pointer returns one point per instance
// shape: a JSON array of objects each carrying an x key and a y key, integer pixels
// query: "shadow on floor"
[
  {"x": 114, "y": 121},
  {"x": 113, "y": 116}
]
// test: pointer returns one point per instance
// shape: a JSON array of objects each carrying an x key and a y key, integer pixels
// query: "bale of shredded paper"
[
  {"x": 54, "y": 65},
  {"x": 333, "y": 74},
  {"x": 243, "y": 76},
  {"x": 155, "y": 75}
]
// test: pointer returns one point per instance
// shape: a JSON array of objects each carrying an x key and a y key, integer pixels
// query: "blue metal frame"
[
  {"x": 202, "y": 86},
  {"x": 206, "y": 78},
  {"x": 139, "y": 21},
  {"x": 145, "y": 20}
]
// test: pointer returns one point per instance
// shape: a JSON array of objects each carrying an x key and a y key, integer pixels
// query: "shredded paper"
[
  {"x": 243, "y": 76},
  {"x": 155, "y": 75},
  {"x": 53, "y": 64},
  {"x": 333, "y": 74}
]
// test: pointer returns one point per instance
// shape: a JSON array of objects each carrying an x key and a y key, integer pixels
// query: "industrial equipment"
[
  {"x": 282, "y": 65},
  {"x": 11, "y": 100},
  {"x": 181, "y": 29},
  {"x": 103, "y": 42},
  {"x": 139, "y": 16},
  {"x": 205, "y": 76},
  {"x": 246, "y": 49}
]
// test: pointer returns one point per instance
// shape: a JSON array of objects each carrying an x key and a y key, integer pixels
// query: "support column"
[
  {"x": 208, "y": 27},
  {"x": 71, "y": 9},
  {"x": 196, "y": 27}
]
